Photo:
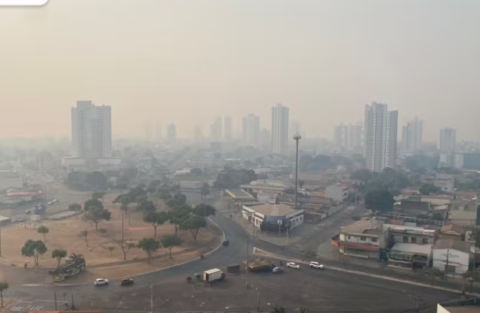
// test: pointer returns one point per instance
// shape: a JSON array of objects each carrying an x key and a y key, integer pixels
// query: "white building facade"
[
  {"x": 412, "y": 134},
  {"x": 451, "y": 257},
  {"x": 349, "y": 137},
  {"x": 380, "y": 137},
  {"x": 448, "y": 140},
  {"x": 280, "y": 116},
  {"x": 91, "y": 130}
]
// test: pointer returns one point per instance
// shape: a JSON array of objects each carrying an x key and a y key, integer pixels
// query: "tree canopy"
[
  {"x": 156, "y": 219},
  {"x": 84, "y": 181},
  {"x": 204, "y": 210},
  {"x": 34, "y": 249},
  {"x": 379, "y": 201},
  {"x": 170, "y": 241},
  {"x": 428, "y": 189},
  {"x": 233, "y": 178},
  {"x": 205, "y": 190},
  {"x": 193, "y": 223},
  {"x": 75, "y": 207},
  {"x": 149, "y": 245},
  {"x": 44, "y": 230},
  {"x": 318, "y": 163},
  {"x": 59, "y": 255},
  {"x": 92, "y": 203},
  {"x": 96, "y": 215}
]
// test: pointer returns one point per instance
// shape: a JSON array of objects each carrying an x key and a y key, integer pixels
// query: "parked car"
[
  {"x": 277, "y": 270},
  {"x": 293, "y": 265},
  {"x": 126, "y": 282},
  {"x": 100, "y": 282},
  {"x": 317, "y": 265},
  {"x": 226, "y": 242}
]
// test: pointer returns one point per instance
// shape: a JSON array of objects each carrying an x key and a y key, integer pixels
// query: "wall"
[
  {"x": 358, "y": 239},
  {"x": 454, "y": 257},
  {"x": 336, "y": 193}
]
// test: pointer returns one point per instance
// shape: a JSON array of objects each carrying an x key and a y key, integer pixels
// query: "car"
[
  {"x": 293, "y": 265},
  {"x": 277, "y": 270},
  {"x": 317, "y": 265},
  {"x": 100, "y": 282},
  {"x": 126, "y": 282},
  {"x": 226, "y": 242}
]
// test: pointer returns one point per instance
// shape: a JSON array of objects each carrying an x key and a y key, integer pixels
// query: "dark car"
[
  {"x": 226, "y": 242},
  {"x": 126, "y": 282}
]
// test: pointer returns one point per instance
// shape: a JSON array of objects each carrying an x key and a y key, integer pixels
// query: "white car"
[
  {"x": 316, "y": 265},
  {"x": 293, "y": 265},
  {"x": 100, "y": 282}
]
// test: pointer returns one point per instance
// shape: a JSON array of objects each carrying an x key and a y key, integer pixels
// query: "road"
[{"x": 326, "y": 291}]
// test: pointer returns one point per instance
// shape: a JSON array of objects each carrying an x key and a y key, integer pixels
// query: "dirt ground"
[{"x": 103, "y": 248}]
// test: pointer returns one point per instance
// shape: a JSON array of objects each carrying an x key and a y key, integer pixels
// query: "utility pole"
[
  {"x": 151, "y": 298},
  {"x": 0, "y": 242},
  {"x": 246, "y": 269},
  {"x": 258, "y": 301},
  {"x": 55, "y": 298},
  {"x": 73, "y": 303}
]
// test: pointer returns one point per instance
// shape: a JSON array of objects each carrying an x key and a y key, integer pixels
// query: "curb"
[{"x": 145, "y": 273}]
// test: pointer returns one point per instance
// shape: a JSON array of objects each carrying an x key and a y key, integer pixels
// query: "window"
[
  {"x": 405, "y": 239},
  {"x": 373, "y": 239},
  {"x": 363, "y": 238},
  {"x": 349, "y": 237},
  {"x": 414, "y": 240},
  {"x": 425, "y": 240}
]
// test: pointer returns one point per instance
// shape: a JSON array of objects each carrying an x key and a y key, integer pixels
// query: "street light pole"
[{"x": 297, "y": 138}]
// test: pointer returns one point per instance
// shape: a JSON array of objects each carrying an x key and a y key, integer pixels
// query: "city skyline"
[{"x": 190, "y": 84}]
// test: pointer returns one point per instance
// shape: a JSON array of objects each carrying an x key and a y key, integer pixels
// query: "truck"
[
  {"x": 233, "y": 268},
  {"x": 259, "y": 265},
  {"x": 74, "y": 265},
  {"x": 213, "y": 275}
]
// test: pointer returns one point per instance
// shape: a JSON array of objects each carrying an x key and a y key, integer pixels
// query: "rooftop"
[
  {"x": 452, "y": 229},
  {"x": 362, "y": 227},
  {"x": 412, "y": 248},
  {"x": 453, "y": 244},
  {"x": 239, "y": 194},
  {"x": 273, "y": 209}
]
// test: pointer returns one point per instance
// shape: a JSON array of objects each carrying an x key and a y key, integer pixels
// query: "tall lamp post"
[{"x": 297, "y": 138}]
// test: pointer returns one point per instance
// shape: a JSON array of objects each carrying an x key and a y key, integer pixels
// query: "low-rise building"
[
  {"x": 361, "y": 239},
  {"x": 452, "y": 231},
  {"x": 410, "y": 255},
  {"x": 446, "y": 183},
  {"x": 452, "y": 256},
  {"x": 273, "y": 214}
]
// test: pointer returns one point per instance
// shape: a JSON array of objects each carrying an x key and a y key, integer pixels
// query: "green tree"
[
  {"x": 59, "y": 255},
  {"x": 278, "y": 309},
  {"x": 125, "y": 247},
  {"x": 3, "y": 286},
  {"x": 432, "y": 273},
  {"x": 96, "y": 181},
  {"x": 178, "y": 215},
  {"x": 379, "y": 200},
  {"x": 170, "y": 241},
  {"x": 34, "y": 249},
  {"x": 84, "y": 234},
  {"x": 233, "y": 178},
  {"x": 156, "y": 219},
  {"x": 193, "y": 224},
  {"x": 177, "y": 201},
  {"x": 153, "y": 185},
  {"x": 428, "y": 189},
  {"x": 364, "y": 175},
  {"x": 92, "y": 203},
  {"x": 146, "y": 207},
  {"x": 205, "y": 190},
  {"x": 96, "y": 215},
  {"x": 149, "y": 245},
  {"x": 98, "y": 195},
  {"x": 75, "y": 207},
  {"x": 470, "y": 276},
  {"x": 43, "y": 230},
  {"x": 204, "y": 210}
]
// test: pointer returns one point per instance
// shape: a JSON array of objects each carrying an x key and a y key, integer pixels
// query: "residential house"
[
  {"x": 446, "y": 183},
  {"x": 338, "y": 192},
  {"x": 274, "y": 214},
  {"x": 452, "y": 257},
  {"x": 361, "y": 239},
  {"x": 451, "y": 231}
]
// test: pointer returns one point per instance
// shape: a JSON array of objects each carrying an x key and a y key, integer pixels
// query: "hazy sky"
[{"x": 187, "y": 61}]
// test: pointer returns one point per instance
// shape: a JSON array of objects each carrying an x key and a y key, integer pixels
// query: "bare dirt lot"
[{"x": 103, "y": 247}]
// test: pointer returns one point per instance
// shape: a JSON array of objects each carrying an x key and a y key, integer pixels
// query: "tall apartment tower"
[
  {"x": 251, "y": 130},
  {"x": 171, "y": 132},
  {"x": 380, "y": 136},
  {"x": 216, "y": 130},
  {"x": 349, "y": 137},
  {"x": 448, "y": 140},
  {"x": 412, "y": 134},
  {"x": 280, "y": 129},
  {"x": 227, "y": 128},
  {"x": 91, "y": 130}
]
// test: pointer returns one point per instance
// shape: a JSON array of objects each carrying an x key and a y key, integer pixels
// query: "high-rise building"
[
  {"x": 216, "y": 130},
  {"x": 265, "y": 138},
  {"x": 280, "y": 129},
  {"x": 448, "y": 140},
  {"x": 158, "y": 131},
  {"x": 380, "y": 136},
  {"x": 198, "y": 134},
  {"x": 227, "y": 128},
  {"x": 349, "y": 137},
  {"x": 412, "y": 134},
  {"x": 171, "y": 132},
  {"x": 91, "y": 130},
  {"x": 251, "y": 130}
]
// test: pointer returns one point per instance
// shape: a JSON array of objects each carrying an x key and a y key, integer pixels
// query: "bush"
[{"x": 102, "y": 230}]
